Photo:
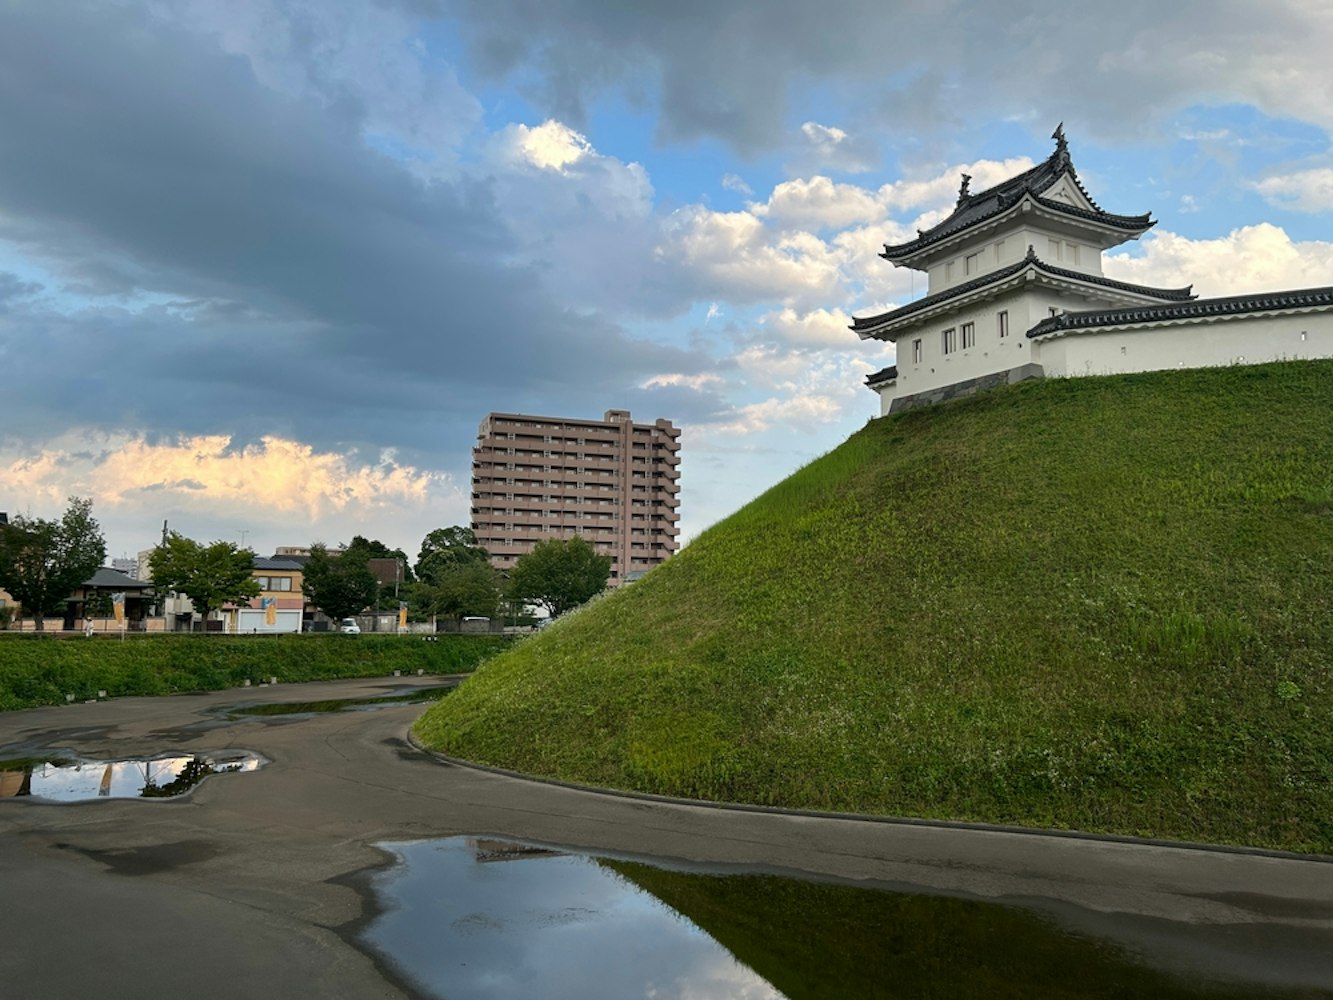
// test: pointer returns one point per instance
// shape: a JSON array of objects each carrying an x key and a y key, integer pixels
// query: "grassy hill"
[{"x": 1099, "y": 603}]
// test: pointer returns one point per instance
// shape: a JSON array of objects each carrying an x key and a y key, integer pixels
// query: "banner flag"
[
  {"x": 270, "y": 606},
  {"x": 402, "y": 614},
  {"x": 118, "y": 606}
]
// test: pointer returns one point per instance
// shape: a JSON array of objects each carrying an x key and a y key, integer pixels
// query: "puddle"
[
  {"x": 79, "y": 780},
  {"x": 419, "y": 696},
  {"x": 473, "y": 919}
]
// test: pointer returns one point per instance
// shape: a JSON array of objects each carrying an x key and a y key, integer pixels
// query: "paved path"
[{"x": 256, "y": 884}]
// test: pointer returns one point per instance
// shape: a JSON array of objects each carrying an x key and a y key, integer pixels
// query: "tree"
[
  {"x": 559, "y": 574},
  {"x": 469, "y": 588},
  {"x": 340, "y": 586},
  {"x": 375, "y": 549},
  {"x": 210, "y": 575},
  {"x": 445, "y": 548},
  {"x": 43, "y": 562}
]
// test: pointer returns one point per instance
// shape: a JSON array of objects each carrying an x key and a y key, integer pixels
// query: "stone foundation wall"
[{"x": 966, "y": 388}]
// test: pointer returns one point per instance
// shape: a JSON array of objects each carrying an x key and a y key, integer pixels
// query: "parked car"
[{"x": 350, "y": 627}]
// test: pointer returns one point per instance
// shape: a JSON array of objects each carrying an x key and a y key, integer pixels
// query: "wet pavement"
[{"x": 277, "y": 882}]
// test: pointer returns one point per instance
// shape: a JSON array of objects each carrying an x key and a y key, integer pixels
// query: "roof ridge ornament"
[
  {"x": 963, "y": 192},
  {"x": 1061, "y": 155}
]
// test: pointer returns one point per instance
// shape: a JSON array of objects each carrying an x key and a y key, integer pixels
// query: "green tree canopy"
[
  {"x": 446, "y": 548},
  {"x": 466, "y": 588},
  {"x": 210, "y": 575},
  {"x": 42, "y": 562},
  {"x": 559, "y": 574},
  {"x": 340, "y": 586}
]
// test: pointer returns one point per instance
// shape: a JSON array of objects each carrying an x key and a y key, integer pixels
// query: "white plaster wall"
[
  {"x": 991, "y": 353},
  {"x": 1218, "y": 341}
]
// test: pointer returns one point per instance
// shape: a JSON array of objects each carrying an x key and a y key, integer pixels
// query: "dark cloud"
[
  {"x": 315, "y": 288},
  {"x": 732, "y": 70}
]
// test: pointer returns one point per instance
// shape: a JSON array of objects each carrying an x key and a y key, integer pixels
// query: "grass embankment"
[
  {"x": 1099, "y": 603},
  {"x": 42, "y": 670}
]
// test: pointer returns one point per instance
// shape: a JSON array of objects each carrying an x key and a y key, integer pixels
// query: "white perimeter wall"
[{"x": 1238, "y": 340}]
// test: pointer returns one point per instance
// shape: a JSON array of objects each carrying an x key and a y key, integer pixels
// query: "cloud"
[
  {"x": 208, "y": 486},
  {"x": 731, "y": 70},
  {"x": 364, "y": 60},
  {"x": 1250, "y": 259},
  {"x": 732, "y": 256},
  {"x": 733, "y": 182},
  {"x": 551, "y": 145},
  {"x": 819, "y": 203},
  {"x": 241, "y": 261},
  {"x": 820, "y": 328},
  {"x": 1302, "y": 191},
  {"x": 274, "y": 474},
  {"x": 825, "y": 147}
]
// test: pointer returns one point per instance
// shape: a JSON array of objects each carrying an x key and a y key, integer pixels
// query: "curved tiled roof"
[
  {"x": 1304, "y": 298},
  {"x": 883, "y": 375},
  {"x": 1031, "y": 260},
  {"x": 974, "y": 208}
]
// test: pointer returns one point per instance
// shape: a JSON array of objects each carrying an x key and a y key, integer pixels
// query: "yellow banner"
[
  {"x": 402, "y": 615},
  {"x": 118, "y": 607}
]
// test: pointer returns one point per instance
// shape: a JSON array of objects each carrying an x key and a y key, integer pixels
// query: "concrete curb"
[{"x": 937, "y": 824}]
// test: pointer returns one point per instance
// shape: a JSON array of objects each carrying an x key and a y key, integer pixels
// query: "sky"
[{"x": 265, "y": 265}]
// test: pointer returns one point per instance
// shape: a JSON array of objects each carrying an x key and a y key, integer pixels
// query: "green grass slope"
[{"x": 1100, "y": 603}]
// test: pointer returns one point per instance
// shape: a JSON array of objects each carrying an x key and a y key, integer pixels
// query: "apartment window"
[
  {"x": 969, "y": 335},
  {"x": 916, "y": 350},
  {"x": 949, "y": 341},
  {"x": 1002, "y": 322}
]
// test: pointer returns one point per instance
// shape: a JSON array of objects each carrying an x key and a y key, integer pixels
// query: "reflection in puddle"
[
  {"x": 471, "y": 918},
  {"x": 162, "y": 777},
  {"x": 420, "y": 696}
]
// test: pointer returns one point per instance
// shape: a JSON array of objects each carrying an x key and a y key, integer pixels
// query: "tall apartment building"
[{"x": 611, "y": 481}]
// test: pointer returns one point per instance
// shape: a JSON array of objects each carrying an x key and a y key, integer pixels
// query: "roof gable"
[{"x": 1052, "y": 184}]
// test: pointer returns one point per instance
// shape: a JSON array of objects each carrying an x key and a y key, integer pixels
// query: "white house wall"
[{"x": 1218, "y": 341}]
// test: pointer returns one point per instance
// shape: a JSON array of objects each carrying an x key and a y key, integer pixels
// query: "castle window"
[
  {"x": 969, "y": 335},
  {"x": 1055, "y": 310},
  {"x": 999, "y": 250},
  {"x": 916, "y": 350},
  {"x": 1002, "y": 322},
  {"x": 972, "y": 263},
  {"x": 949, "y": 341},
  {"x": 1072, "y": 252},
  {"x": 1053, "y": 248}
]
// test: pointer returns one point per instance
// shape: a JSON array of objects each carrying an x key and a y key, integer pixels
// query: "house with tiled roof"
[{"x": 1016, "y": 291}]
